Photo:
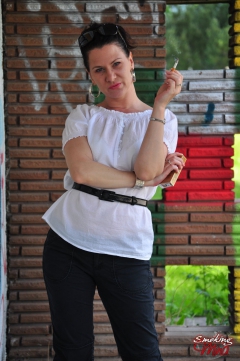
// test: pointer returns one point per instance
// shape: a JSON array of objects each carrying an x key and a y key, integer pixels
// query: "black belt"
[{"x": 110, "y": 196}]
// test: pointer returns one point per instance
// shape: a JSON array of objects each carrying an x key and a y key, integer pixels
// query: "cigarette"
[{"x": 175, "y": 64}]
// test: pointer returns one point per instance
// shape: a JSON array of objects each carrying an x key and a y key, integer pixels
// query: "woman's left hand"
[
  {"x": 170, "y": 88},
  {"x": 173, "y": 162}
]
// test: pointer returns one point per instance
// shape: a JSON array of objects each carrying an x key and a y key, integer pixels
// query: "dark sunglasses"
[{"x": 105, "y": 29}]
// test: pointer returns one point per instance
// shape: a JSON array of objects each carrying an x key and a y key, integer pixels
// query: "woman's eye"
[
  {"x": 117, "y": 63},
  {"x": 99, "y": 70}
]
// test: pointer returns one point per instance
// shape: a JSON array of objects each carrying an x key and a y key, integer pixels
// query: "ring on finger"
[
  {"x": 169, "y": 161},
  {"x": 179, "y": 84}
]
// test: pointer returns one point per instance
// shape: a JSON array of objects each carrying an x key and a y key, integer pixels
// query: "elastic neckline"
[{"x": 117, "y": 111}]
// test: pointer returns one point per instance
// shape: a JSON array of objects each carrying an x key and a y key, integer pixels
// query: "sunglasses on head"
[{"x": 105, "y": 29}]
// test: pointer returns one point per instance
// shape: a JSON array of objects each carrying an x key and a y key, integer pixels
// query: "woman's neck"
[{"x": 125, "y": 106}]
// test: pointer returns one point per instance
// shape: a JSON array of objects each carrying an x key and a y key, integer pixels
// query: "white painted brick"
[
  {"x": 219, "y": 108},
  {"x": 198, "y": 119},
  {"x": 213, "y": 85},
  {"x": 231, "y": 118},
  {"x": 202, "y": 74},
  {"x": 177, "y": 108},
  {"x": 199, "y": 97},
  {"x": 232, "y": 74},
  {"x": 224, "y": 129},
  {"x": 233, "y": 96},
  {"x": 182, "y": 130}
]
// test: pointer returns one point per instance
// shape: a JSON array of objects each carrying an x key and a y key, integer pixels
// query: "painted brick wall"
[{"x": 45, "y": 79}]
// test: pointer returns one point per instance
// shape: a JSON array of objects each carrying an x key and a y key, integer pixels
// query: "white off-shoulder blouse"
[{"x": 96, "y": 225}]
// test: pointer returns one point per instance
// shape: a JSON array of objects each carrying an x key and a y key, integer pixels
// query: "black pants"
[{"x": 125, "y": 287}]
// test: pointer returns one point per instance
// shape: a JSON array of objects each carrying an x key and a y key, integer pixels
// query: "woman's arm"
[
  {"x": 85, "y": 170},
  {"x": 150, "y": 161}
]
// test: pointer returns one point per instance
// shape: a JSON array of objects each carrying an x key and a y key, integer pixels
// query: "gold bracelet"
[
  {"x": 139, "y": 184},
  {"x": 158, "y": 120}
]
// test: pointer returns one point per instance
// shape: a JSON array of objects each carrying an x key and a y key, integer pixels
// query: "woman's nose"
[{"x": 110, "y": 76}]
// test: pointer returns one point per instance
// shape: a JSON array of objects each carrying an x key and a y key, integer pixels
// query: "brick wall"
[{"x": 45, "y": 79}]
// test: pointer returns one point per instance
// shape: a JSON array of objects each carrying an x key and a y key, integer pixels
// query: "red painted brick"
[
  {"x": 229, "y": 184},
  {"x": 203, "y": 185},
  {"x": 210, "y": 196},
  {"x": 211, "y": 152},
  {"x": 203, "y": 163},
  {"x": 199, "y": 140},
  {"x": 28, "y": 197},
  {"x": 211, "y": 174},
  {"x": 228, "y": 162},
  {"x": 228, "y": 141},
  {"x": 33, "y": 296},
  {"x": 31, "y": 272},
  {"x": 175, "y": 196}
]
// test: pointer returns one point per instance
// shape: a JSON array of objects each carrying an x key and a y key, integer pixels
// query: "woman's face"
[{"x": 110, "y": 70}]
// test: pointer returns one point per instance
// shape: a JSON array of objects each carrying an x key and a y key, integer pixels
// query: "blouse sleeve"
[
  {"x": 76, "y": 125},
  {"x": 170, "y": 131}
]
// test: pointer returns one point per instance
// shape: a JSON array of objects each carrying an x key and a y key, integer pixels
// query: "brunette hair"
[{"x": 123, "y": 40}]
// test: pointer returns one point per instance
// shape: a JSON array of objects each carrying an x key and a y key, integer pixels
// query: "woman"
[{"x": 99, "y": 238}]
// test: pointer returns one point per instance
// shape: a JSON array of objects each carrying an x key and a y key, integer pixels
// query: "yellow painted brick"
[
  {"x": 237, "y": 317},
  {"x": 237, "y": 16},
  {"x": 236, "y": 295},
  {"x": 237, "y": 283},
  {"x": 236, "y": 27},
  {"x": 237, "y": 269},
  {"x": 236, "y": 61},
  {"x": 236, "y": 50},
  {"x": 237, "y": 5},
  {"x": 237, "y": 306},
  {"x": 237, "y": 329}
]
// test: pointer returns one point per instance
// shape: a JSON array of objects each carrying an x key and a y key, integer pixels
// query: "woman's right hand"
[{"x": 173, "y": 162}]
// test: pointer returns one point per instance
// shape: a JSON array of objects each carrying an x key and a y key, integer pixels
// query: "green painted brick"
[
  {"x": 158, "y": 217},
  {"x": 159, "y": 239},
  {"x": 152, "y": 206},
  {"x": 161, "y": 228},
  {"x": 145, "y": 74},
  {"x": 236, "y": 229},
  {"x": 157, "y": 261},
  {"x": 236, "y": 239},
  {"x": 160, "y": 74},
  {"x": 155, "y": 250},
  {"x": 147, "y": 86}
]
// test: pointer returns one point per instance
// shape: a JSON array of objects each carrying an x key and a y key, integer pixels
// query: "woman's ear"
[{"x": 131, "y": 60}]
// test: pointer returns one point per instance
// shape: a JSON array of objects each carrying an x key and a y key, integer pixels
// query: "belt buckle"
[
  {"x": 134, "y": 201},
  {"x": 104, "y": 195}
]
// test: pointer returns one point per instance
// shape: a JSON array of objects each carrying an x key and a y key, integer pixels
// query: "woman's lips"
[{"x": 115, "y": 86}]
